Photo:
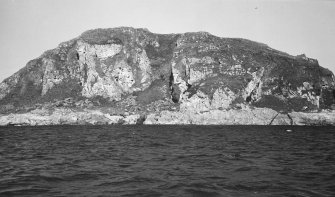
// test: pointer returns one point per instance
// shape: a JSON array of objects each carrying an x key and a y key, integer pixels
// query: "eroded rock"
[{"x": 190, "y": 78}]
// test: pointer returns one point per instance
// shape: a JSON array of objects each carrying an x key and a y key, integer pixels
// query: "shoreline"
[{"x": 246, "y": 116}]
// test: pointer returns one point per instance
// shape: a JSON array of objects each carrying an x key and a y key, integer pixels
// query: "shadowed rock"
[{"x": 135, "y": 71}]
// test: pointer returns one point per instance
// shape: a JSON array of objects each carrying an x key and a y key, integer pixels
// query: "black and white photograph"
[{"x": 167, "y": 98}]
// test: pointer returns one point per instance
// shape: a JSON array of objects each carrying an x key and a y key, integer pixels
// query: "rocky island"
[{"x": 132, "y": 76}]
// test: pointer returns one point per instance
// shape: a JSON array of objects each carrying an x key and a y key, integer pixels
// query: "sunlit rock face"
[{"x": 142, "y": 72}]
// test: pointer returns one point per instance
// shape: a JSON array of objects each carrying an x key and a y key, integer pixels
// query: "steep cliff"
[{"x": 133, "y": 71}]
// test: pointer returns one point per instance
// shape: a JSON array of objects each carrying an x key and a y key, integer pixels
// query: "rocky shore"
[
  {"x": 126, "y": 75},
  {"x": 246, "y": 116}
]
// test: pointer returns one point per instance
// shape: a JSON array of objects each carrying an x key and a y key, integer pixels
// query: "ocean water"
[{"x": 167, "y": 161}]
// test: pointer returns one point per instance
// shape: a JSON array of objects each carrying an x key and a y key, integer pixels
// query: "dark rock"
[{"x": 105, "y": 67}]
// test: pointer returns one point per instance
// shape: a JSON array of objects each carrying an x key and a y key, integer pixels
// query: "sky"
[{"x": 30, "y": 27}]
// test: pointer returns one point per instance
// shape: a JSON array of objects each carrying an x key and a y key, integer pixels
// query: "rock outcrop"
[
  {"x": 246, "y": 116},
  {"x": 122, "y": 75}
]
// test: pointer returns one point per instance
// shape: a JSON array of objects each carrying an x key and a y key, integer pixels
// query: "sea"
[{"x": 195, "y": 161}]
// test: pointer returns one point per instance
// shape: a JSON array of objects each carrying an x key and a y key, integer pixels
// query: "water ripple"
[{"x": 167, "y": 161}]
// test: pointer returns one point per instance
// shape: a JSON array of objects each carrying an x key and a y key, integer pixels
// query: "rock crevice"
[{"x": 161, "y": 75}]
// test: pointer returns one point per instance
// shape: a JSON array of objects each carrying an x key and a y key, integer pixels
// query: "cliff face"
[{"x": 134, "y": 71}]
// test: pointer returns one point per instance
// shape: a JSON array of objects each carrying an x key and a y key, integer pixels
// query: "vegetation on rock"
[{"x": 135, "y": 71}]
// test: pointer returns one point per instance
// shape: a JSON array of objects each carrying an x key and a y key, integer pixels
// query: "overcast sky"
[{"x": 30, "y": 27}]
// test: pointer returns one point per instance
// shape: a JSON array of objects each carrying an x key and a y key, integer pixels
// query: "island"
[{"x": 126, "y": 75}]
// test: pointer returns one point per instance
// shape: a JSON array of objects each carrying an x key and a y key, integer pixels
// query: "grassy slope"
[{"x": 281, "y": 70}]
